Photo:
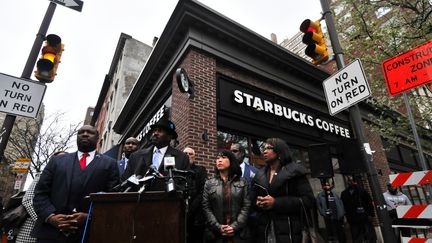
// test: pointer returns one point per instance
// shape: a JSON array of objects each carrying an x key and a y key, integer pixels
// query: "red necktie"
[{"x": 83, "y": 160}]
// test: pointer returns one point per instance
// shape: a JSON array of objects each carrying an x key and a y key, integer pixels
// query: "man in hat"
[{"x": 161, "y": 134}]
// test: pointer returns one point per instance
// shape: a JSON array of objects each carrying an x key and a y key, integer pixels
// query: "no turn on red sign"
[
  {"x": 346, "y": 87},
  {"x": 408, "y": 70}
]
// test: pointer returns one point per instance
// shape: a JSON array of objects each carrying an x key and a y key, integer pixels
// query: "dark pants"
[
  {"x": 363, "y": 232},
  {"x": 404, "y": 232},
  {"x": 195, "y": 233},
  {"x": 76, "y": 238},
  {"x": 335, "y": 230}
]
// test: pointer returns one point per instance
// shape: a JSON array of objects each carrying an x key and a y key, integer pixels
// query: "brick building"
[
  {"x": 245, "y": 88},
  {"x": 129, "y": 58},
  {"x": 242, "y": 88}
]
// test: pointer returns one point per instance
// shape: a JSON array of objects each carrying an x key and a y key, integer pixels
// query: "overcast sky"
[{"x": 90, "y": 37}]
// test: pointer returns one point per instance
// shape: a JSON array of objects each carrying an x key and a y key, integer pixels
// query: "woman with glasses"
[
  {"x": 281, "y": 193},
  {"x": 226, "y": 202}
]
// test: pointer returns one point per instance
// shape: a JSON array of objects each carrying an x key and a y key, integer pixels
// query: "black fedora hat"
[{"x": 167, "y": 125}]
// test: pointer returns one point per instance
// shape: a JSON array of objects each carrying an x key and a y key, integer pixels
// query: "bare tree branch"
[{"x": 38, "y": 140}]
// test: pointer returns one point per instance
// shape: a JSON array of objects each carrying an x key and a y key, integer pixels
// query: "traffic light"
[
  {"x": 50, "y": 59},
  {"x": 314, "y": 39}
]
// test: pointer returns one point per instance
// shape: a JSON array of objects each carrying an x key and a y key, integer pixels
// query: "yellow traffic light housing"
[
  {"x": 314, "y": 39},
  {"x": 48, "y": 63}
]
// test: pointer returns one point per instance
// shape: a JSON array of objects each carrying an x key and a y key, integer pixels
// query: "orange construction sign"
[{"x": 408, "y": 70}]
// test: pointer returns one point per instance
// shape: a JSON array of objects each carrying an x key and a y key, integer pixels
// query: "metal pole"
[
  {"x": 414, "y": 130},
  {"x": 357, "y": 124},
  {"x": 417, "y": 141},
  {"x": 9, "y": 121}
]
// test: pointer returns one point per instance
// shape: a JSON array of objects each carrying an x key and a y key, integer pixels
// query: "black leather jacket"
[
  {"x": 213, "y": 207},
  {"x": 288, "y": 186}
]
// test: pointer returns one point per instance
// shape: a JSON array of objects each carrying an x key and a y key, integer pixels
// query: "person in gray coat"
[
  {"x": 330, "y": 206},
  {"x": 226, "y": 202}
]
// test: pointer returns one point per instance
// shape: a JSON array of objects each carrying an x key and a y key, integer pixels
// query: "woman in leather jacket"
[
  {"x": 279, "y": 189},
  {"x": 226, "y": 202}
]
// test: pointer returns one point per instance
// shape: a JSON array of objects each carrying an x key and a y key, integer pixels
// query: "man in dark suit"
[
  {"x": 248, "y": 170},
  {"x": 161, "y": 135},
  {"x": 130, "y": 146},
  {"x": 196, "y": 217},
  {"x": 59, "y": 200}
]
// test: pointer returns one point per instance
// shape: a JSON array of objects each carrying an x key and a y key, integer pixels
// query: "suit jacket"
[
  {"x": 53, "y": 189},
  {"x": 121, "y": 166},
  {"x": 249, "y": 172},
  {"x": 141, "y": 160},
  {"x": 322, "y": 205}
]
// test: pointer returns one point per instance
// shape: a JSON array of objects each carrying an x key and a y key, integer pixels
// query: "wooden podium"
[{"x": 148, "y": 217}]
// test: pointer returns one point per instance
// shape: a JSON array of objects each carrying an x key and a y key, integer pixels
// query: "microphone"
[
  {"x": 169, "y": 164},
  {"x": 155, "y": 171},
  {"x": 125, "y": 182},
  {"x": 144, "y": 180},
  {"x": 134, "y": 182}
]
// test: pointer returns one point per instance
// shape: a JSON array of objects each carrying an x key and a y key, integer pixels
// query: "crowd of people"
[{"x": 240, "y": 203}]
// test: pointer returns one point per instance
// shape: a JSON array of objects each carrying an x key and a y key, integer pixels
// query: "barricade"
[{"x": 417, "y": 217}]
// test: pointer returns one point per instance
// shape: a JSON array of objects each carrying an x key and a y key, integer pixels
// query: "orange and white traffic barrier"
[
  {"x": 416, "y": 240},
  {"x": 421, "y": 211},
  {"x": 411, "y": 178}
]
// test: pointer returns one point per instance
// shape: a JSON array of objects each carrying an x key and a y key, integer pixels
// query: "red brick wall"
[
  {"x": 193, "y": 117},
  {"x": 379, "y": 157},
  {"x": 100, "y": 122}
]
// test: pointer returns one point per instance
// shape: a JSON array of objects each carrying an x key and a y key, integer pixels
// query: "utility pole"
[
  {"x": 28, "y": 69},
  {"x": 357, "y": 124}
]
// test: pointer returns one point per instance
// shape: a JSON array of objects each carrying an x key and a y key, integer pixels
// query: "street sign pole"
[
  {"x": 9, "y": 121},
  {"x": 416, "y": 139},
  {"x": 356, "y": 120},
  {"x": 414, "y": 130}
]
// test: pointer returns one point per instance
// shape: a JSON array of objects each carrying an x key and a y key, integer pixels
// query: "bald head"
[
  {"x": 190, "y": 153},
  {"x": 87, "y": 138},
  {"x": 130, "y": 146}
]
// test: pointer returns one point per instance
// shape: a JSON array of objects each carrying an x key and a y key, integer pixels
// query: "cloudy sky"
[{"x": 90, "y": 37}]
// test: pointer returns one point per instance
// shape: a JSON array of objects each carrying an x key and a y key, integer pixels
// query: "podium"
[{"x": 150, "y": 217}]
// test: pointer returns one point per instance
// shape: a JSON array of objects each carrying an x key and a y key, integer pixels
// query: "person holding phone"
[
  {"x": 226, "y": 202},
  {"x": 280, "y": 192}
]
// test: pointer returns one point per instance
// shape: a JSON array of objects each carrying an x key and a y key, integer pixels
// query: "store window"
[
  {"x": 408, "y": 156},
  {"x": 253, "y": 146}
]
